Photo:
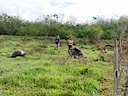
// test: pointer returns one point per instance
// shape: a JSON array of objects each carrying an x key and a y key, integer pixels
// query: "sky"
[{"x": 78, "y": 10}]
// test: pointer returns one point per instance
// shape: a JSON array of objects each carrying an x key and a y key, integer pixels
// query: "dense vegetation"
[
  {"x": 101, "y": 29},
  {"x": 47, "y": 72}
]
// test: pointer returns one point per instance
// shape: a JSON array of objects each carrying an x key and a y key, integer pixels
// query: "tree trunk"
[{"x": 116, "y": 69}]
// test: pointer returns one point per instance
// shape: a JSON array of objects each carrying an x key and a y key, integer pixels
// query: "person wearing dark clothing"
[{"x": 57, "y": 42}]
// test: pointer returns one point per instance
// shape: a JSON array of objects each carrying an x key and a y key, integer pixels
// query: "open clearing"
[{"x": 47, "y": 72}]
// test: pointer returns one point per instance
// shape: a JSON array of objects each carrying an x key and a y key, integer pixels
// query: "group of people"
[
  {"x": 71, "y": 51},
  {"x": 75, "y": 51},
  {"x": 69, "y": 43},
  {"x": 57, "y": 43}
]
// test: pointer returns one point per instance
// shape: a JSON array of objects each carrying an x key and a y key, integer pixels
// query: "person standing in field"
[
  {"x": 70, "y": 45},
  {"x": 57, "y": 42},
  {"x": 102, "y": 52}
]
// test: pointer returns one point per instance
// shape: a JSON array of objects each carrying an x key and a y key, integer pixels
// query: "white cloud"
[{"x": 81, "y": 9}]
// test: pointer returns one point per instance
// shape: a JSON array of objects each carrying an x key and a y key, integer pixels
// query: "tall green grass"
[{"x": 47, "y": 72}]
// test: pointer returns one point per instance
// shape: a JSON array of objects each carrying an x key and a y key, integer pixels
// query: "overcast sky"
[{"x": 81, "y": 9}]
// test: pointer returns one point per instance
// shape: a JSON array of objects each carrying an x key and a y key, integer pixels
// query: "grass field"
[{"x": 48, "y": 72}]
